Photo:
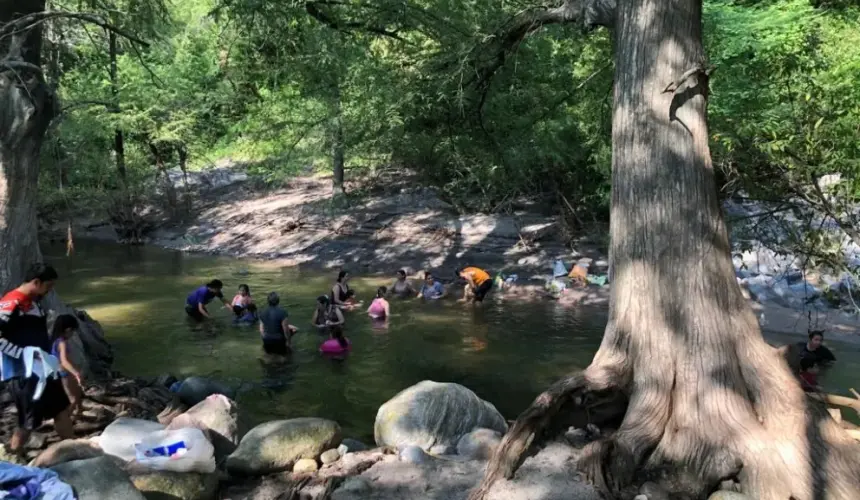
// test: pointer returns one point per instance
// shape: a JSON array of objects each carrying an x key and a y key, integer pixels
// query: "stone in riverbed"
[
  {"x": 219, "y": 416},
  {"x": 156, "y": 484},
  {"x": 67, "y": 451},
  {"x": 330, "y": 456},
  {"x": 352, "y": 445},
  {"x": 276, "y": 446},
  {"x": 97, "y": 479},
  {"x": 728, "y": 495},
  {"x": 432, "y": 414},
  {"x": 195, "y": 389},
  {"x": 305, "y": 465},
  {"x": 479, "y": 444},
  {"x": 413, "y": 455}
]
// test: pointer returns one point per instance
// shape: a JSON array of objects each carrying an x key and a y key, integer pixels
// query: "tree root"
[{"x": 543, "y": 415}]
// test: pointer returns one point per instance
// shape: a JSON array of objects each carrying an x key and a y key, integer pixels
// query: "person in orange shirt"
[{"x": 478, "y": 283}]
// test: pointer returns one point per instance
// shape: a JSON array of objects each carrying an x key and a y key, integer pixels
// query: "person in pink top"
[{"x": 379, "y": 308}]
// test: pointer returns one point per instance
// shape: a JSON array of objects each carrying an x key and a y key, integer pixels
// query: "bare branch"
[
  {"x": 30, "y": 21},
  {"x": 314, "y": 11},
  {"x": 13, "y": 65}
]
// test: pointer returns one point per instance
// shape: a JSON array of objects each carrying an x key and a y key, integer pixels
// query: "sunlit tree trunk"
[
  {"x": 337, "y": 143},
  {"x": 705, "y": 393},
  {"x": 26, "y": 110}
]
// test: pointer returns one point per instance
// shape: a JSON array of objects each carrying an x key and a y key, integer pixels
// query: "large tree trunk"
[
  {"x": 118, "y": 139},
  {"x": 26, "y": 110},
  {"x": 27, "y": 106},
  {"x": 706, "y": 393}
]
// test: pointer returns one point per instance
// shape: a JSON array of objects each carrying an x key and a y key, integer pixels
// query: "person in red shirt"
[{"x": 23, "y": 324}]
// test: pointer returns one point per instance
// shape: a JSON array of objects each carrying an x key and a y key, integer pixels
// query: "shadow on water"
[{"x": 506, "y": 352}]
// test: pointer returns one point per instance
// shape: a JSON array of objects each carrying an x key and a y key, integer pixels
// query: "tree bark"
[
  {"x": 26, "y": 110},
  {"x": 707, "y": 395},
  {"x": 118, "y": 139},
  {"x": 337, "y": 144}
]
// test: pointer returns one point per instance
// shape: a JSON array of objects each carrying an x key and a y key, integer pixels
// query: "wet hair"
[
  {"x": 216, "y": 284},
  {"x": 41, "y": 272},
  {"x": 402, "y": 272},
  {"x": 381, "y": 291},
  {"x": 814, "y": 333},
  {"x": 428, "y": 275},
  {"x": 63, "y": 323},
  {"x": 458, "y": 271},
  {"x": 341, "y": 275},
  {"x": 323, "y": 299},
  {"x": 337, "y": 334},
  {"x": 244, "y": 288},
  {"x": 806, "y": 364},
  {"x": 273, "y": 299}
]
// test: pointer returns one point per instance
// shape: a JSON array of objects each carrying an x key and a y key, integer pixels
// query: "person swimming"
[
  {"x": 327, "y": 315},
  {"x": 243, "y": 305},
  {"x": 341, "y": 294},
  {"x": 402, "y": 287},
  {"x": 379, "y": 308},
  {"x": 195, "y": 304},
  {"x": 337, "y": 344}
]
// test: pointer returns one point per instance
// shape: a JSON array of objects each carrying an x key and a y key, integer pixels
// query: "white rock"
[{"x": 413, "y": 455}]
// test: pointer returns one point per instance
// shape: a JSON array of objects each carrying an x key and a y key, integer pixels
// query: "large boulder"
[
  {"x": 276, "y": 446},
  {"x": 98, "y": 479},
  {"x": 67, "y": 451},
  {"x": 195, "y": 389},
  {"x": 118, "y": 439},
  {"x": 168, "y": 485},
  {"x": 217, "y": 415},
  {"x": 434, "y": 415}
]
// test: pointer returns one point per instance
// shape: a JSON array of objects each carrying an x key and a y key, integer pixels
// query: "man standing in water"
[
  {"x": 23, "y": 324},
  {"x": 814, "y": 351}
]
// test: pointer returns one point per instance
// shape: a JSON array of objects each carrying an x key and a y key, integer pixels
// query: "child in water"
[
  {"x": 64, "y": 328},
  {"x": 337, "y": 344},
  {"x": 243, "y": 305},
  {"x": 379, "y": 308}
]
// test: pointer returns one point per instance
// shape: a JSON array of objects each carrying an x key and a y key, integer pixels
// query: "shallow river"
[{"x": 506, "y": 352}]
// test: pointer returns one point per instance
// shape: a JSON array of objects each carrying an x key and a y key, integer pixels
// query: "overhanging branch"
[
  {"x": 314, "y": 11},
  {"x": 30, "y": 21}
]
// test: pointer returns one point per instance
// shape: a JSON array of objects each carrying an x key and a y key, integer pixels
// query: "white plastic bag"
[
  {"x": 118, "y": 438},
  {"x": 180, "y": 450}
]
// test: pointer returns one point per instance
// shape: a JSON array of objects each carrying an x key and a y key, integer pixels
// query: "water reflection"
[{"x": 506, "y": 352}]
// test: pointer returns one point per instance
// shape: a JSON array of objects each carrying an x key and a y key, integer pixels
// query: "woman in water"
[
  {"x": 64, "y": 329},
  {"x": 327, "y": 314},
  {"x": 195, "y": 304},
  {"x": 379, "y": 308},
  {"x": 402, "y": 287},
  {"x": 341, "y": 294},
  {"x": 243, "y": 305},
  {"x": 337, "y": 344}
]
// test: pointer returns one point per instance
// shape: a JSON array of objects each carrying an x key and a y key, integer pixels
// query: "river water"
[{"x": 507, "y": 352}]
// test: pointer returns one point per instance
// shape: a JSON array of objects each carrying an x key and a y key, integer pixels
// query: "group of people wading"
[{"x": 276, "y": 332}]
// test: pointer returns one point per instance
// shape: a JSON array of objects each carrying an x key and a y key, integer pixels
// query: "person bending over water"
[
  {"x": 379, "y": 308},
  {"x": 402, "y": 287},
  {"x": 431, "y": 289},
  {"x": 341, "y": 294},
  {"x": 276, "y": 332},
  {"x": 478, "y": 284},
  {"x": 195, "y": 304},
  {"x": 327, "y": 314},
  {"x": 64, "y": 329},
  {"x": 243, "y": 305}
]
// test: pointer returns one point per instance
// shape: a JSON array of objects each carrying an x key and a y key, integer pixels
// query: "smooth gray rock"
[
  {"x": 353, "y": 445},
  {"x": 330, "y": 456},
  {"x": 97, "y": 479},
  {"x": 413, "y": 455},
  {"x": 654, "y": 491},
  {"x": 728, "y": 495},
  {"x": 479, "y": 444},
  {"x": 67, "y": 451},
  {"x": 195, "y": 389},
  {"x": 432, "y": 413},
  {"x": 170, "y": 485},
  {"x": 275, "y": 446}
]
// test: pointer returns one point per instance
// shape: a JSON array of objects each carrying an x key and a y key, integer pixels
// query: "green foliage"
[{"x": 411, "y": 84}]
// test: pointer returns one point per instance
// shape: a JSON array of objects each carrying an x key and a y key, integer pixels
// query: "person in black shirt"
[
  {"x": 276, "y": 332},
  {"x": 814, "y": 351}
]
